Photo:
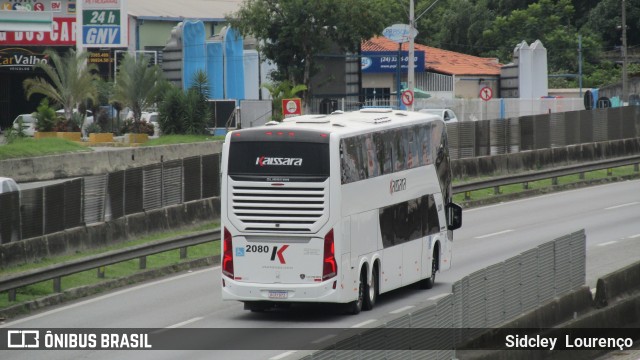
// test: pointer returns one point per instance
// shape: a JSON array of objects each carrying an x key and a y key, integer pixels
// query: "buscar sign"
[{"x": 400, "y": 33}]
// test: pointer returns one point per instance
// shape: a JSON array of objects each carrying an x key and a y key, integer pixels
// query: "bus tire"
[
  {"x": 355, "y": 307},
  {"x": 430, "y": 281},
  {"x": 371, "y": 291}
]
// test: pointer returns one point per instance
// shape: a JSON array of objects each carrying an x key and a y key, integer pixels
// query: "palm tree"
[
  {"x": 137, "y": 84},
  {"x": 279, "y": 91},
  {"x": 70, "y": 82}
]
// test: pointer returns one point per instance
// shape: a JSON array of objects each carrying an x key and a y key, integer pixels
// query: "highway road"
[{"x": 610, "y": 214}]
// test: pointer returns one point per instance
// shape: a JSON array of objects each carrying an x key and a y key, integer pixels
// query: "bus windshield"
[{"x": 276, "y": 159}]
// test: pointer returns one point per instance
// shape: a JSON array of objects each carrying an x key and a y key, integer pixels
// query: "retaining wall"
[
  {"x": 111, "y": 232},
  {"x": 543, "y": 159},
  {"x": 101, "y": 161}
]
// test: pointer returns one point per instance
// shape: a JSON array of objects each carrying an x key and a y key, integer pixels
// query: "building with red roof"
[{"x": 445, "y": 74}]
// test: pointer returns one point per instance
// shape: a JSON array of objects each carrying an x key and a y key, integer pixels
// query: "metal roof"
[{"x": 172, "y": 10}]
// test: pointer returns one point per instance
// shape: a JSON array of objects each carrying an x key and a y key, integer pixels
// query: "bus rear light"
[
  {"x": 227, "y": 254},
  {"x": 329, "y": 266}
]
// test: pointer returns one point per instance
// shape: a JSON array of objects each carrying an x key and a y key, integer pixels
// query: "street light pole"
[{"x": 411, "y": 64}]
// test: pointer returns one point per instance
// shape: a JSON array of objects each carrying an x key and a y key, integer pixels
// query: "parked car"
[
  {"x": 28, "y": 124},
  {"x": 152, "y": 118},
  {"x": 88, "y": 120},
  {"x": 447, "y": 115},
  {"x": 8, "y": 185}
]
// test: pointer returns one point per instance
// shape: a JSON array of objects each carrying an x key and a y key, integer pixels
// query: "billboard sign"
[
  {"x": 63, "y": 33},
  {"x": 400, "y": 33},
  {"x": 387, "y": 61},
  {"x": 104, "y": 23}
]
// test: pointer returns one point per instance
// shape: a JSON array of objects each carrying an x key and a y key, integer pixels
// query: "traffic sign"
[
  {"x": 291, "y": 107},
  {"x": 407, "y": 97},
  {"x": 486, "y": 93}
]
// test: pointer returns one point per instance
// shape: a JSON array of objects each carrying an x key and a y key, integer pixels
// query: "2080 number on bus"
[{"x": 257, "y": 249}]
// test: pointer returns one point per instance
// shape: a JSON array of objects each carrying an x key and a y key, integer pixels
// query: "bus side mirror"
[{"x": 454, "y": 216}]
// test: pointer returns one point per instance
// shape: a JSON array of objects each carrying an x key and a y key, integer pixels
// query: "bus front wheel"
[{"x": 430, "y": 281}]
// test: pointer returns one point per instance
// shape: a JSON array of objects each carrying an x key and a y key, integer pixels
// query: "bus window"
[
  {"x": 276, "y": 159},
  {"x": 384, "y": 151}
]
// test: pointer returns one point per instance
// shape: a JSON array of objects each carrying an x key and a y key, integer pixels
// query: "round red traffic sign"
[
  {"x": 486, "y": 93},
  {"x": 407, "y": 97}
]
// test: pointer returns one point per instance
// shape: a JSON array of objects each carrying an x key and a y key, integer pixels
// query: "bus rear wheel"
[
  {"x": 355, "y": 307},
  {"x": 371, "y": 291}
]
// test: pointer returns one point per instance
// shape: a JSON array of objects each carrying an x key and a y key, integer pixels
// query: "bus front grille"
[{"x": 291, "y": 207}]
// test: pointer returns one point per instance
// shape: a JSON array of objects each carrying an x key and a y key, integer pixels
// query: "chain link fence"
[
  {"x": 483, "y": 300},
  {"x": 45, "y": 210},
  {"x": 494, "y": 137}
]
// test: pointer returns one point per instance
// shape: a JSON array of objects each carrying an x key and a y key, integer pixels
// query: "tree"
[
  {"x": 605, "y": 19},
  {"x": 185, "y": 112},
  {"x": 70, "y": 82},
  {"x": 292, "y": 32},
  {"x": 137, "y": 84},
  {"x": 548, "y": 21}
]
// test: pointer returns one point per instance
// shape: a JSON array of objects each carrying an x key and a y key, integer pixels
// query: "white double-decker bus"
[{"x": 335, "y": 208}]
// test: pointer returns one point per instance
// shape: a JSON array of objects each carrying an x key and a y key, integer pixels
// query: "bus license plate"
[{"x": 278, "y": 294}]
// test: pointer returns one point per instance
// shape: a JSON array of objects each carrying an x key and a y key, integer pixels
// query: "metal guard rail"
[{"x": 11, "y": 282}]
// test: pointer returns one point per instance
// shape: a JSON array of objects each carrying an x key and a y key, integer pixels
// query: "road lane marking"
[
  {"x": 324, "y": 338},
  {"x": 437, "y": 297},
  {"x": 405, "y": 308},
  {"x": 493, "y": 234},
  {"x": 364, "y": 323},
  {"x": 283, "y": 355},
  {"x": 634, "y": 236},
  {"x": 180, "y": 324},
  {"x": 622, "y": 205},
  {"x": 607, "y": 243}
]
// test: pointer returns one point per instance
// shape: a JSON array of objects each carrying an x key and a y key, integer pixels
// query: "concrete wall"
[
  {"x": 100, "y": 162},
  {"x": 112, "y": 232},
  {"x": 543, "y": 159}
]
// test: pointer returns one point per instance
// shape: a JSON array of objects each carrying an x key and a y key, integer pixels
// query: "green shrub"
[
  {"x": 45, "y": 116},
  {"x": 136, "y": 127}
]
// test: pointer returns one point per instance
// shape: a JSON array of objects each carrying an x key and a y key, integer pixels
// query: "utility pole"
[
  {"x": 625, "y": 85},
  {"x": 580, "y": 63},
  {"x": 411, "y": 64}
]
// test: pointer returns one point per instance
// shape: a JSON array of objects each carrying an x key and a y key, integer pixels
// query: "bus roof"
[{"x": 355, "y": 122}]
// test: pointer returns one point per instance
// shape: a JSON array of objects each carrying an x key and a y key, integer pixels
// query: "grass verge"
[
  {"x": 181, "y": 139},
  {"x": 111, "y": 272},
  {"x": 28, "y": 147}
]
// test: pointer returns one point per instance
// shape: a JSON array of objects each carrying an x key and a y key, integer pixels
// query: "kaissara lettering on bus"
[{"x": 277, "y": 161}]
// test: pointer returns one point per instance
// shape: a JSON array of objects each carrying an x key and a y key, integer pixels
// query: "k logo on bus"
[{"x": 279, "y": 253}]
